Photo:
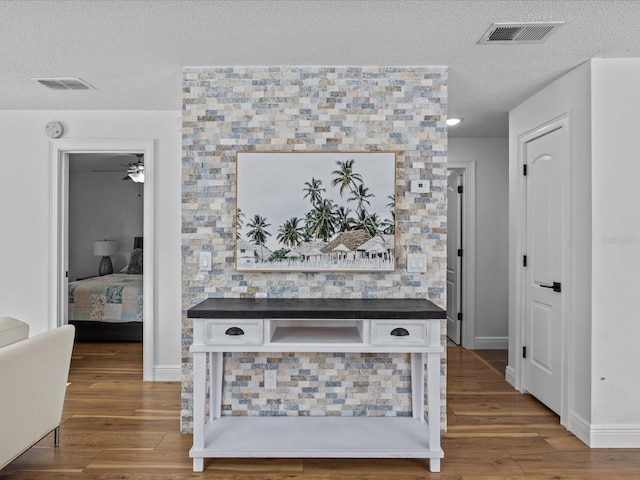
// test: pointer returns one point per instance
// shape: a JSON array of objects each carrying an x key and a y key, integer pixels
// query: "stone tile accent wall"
[
  {"x": 340, "y": 384},
  {"x": 234, "y": 109}
]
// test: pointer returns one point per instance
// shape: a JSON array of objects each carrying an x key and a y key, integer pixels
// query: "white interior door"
[
  {"x": 454, "y": 261},
  {"x": 544, "y": 255}
]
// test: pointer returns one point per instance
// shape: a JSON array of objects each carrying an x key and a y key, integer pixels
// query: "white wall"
[
  {"x": 602, "y": 100},
  {"x": 616, "y": 246},
  {"x": 25, "y": 210},
  {"x": 491, "y": 156},
  {"x": 101, "y": 206},
  {"x": 570, "y": 95}
]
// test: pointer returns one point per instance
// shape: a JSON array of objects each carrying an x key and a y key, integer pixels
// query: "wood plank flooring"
[{"x": 117, "y": 427}]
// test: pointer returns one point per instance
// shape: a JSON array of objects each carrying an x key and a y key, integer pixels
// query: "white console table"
[{"x": 316, "y": 325}]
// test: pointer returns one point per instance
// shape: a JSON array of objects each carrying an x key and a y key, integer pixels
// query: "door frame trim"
[
  {"x": 59, "y": 152},
  {"x": 468, "y": 278},
  {"x": 520, "y": 291}
]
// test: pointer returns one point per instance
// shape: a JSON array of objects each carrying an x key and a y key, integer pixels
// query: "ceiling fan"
[{"x": 135, "y": 171}]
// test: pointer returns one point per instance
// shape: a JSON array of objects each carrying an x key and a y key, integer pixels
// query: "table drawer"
[
  {"x": 233, "y": 332},
  {"x": 394, "y": 332}
]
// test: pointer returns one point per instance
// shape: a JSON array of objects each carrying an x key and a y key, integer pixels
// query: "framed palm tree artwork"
[{"x": 315, "y": 211}]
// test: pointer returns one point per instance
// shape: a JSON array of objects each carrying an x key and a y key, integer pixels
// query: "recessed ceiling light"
[{"x": 452, "y": 122}]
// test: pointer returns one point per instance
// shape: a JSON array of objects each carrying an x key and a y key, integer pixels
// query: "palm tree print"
[
  {"x": 239, "y": 221},
  {"x": 314, "y": 191},
  {"x": 290, "y": 232},
  {"x": 345, "y": 176},
  {"x": 369, "y": 222},
  {"x": 322, "y": 221},
  {"x": 389, "y": 225},
  {"x": 344, "y": 222},
  {"x": 333, "y": 207},
  {"x": 361, "y": 195},
  {"x": 258, "y": 233}
]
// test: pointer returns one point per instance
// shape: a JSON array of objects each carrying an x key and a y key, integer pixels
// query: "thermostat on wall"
[{"x": 420, "y": 186}]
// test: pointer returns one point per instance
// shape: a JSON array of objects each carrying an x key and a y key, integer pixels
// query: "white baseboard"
[
  {"x": 491, "y": 343},
  {"x": 605, "y": 436},
  {"x": 579, "y": 427},
  {"x": 510, "y": 376},
  {"x": 615, "y": 436},
  {"x": 167, "y": 373}
]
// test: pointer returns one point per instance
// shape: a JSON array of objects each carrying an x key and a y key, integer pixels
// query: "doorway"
[
  {"x": 461, "y": 254},
  {"x": 61, "y": 150}
]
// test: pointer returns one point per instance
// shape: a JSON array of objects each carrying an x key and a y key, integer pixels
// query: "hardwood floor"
[
  {"x": 117, "y": 427},
  {"x": 498, "y": 359}
]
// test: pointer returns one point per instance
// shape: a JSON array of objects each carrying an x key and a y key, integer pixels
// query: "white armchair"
[{"x": 33, "y": 380}]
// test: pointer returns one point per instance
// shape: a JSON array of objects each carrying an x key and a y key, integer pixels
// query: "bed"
[{"x": 107, "y": 308}]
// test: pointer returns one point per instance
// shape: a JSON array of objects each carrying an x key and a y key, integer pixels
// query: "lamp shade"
[{"x": 105, "y": 248}]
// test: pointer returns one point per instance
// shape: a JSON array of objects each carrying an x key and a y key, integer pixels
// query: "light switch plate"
[
  {"x": 416, "y": 263},
  {"x": 205, "y": 261}
]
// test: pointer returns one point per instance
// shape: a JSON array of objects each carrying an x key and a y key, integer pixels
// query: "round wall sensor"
[{"x": 54, "y": 129}]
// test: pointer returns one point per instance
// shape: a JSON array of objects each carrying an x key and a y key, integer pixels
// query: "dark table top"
[{"x": 317, "y": 308}]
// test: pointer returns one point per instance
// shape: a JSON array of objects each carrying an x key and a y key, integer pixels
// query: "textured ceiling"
[{"x": 133, "y": 51}]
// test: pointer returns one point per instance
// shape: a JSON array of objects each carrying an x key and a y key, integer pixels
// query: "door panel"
[
  {"x": 541, "y": 324},
  {"x": 543, "y": 371},
  {"x": 454, "y": 262}
]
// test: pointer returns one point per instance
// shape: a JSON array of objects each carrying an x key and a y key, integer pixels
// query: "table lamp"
[{"x": 104, "y": 249}]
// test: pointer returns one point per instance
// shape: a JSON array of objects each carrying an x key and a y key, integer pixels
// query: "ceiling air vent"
[
  {"x": 63, "y": 83},
  {"x": 505, "y": 33}
]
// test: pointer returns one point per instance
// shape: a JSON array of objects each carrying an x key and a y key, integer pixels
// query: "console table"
[{"x": 316, "y": 325}]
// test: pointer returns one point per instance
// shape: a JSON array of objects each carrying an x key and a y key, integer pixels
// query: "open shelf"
[
  {"x": 328, "y": 437},
  {"x": 316, "y": 335},
  {"x": 314, "y": 332}
]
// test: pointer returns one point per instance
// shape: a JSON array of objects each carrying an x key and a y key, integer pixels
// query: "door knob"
[{"x": 556, "y": 287}]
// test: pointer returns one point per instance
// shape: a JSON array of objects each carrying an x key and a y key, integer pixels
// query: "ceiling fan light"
[{"x": 137, "y": 177}]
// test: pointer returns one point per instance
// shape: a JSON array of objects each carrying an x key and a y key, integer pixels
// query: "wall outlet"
[{"x": 270, "y": 379}]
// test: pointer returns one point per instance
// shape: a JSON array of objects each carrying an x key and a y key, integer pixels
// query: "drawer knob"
[
  {"x": 400, "y": 332},
  {"x": 234, "y": 331}
]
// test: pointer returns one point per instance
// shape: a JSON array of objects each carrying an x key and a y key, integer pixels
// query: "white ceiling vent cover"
[
  {"x": 510, "y": 33},
  {"x": 63, "y": 83}
]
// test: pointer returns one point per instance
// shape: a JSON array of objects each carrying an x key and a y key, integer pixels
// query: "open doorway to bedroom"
[
  {"x": 106, "y": 246},
  {"x": 62, "y": 152}
]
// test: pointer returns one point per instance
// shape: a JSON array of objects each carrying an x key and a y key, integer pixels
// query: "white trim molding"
[
  {"x": 605, "y": 436},
  {"x": 614, "y": 436},
  {"x": 58, "y": 222},
  {"x": 167, "y": 373},
  {"x": 510, "y": 376},
  {"x": 579, "y": 427}
]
